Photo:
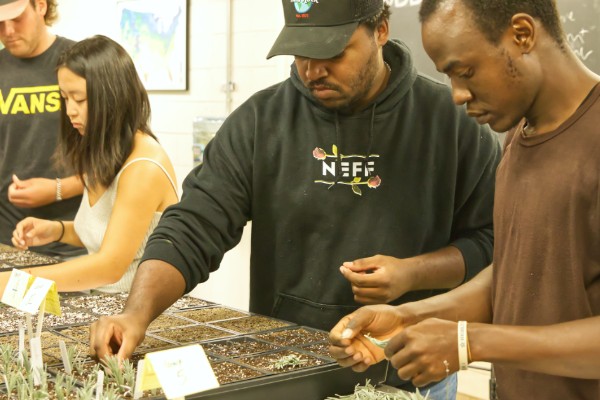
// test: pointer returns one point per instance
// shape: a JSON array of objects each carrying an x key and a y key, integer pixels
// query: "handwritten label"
[
  {"x": 17, "y": 285},
  {"x": 181, "y": 371},
  {"x": 26, "y": 293}
]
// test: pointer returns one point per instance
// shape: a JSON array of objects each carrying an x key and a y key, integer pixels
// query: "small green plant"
[
  {"x": 377, "y": 342},
  {"x": 120, "y": 374},
  {"x": 76, "y": 359},
  {"x": 369, "y": 392},
  {"x": 64, "y": 385},
  {"x": 86, "y": 392},
  {"x": 291, "y": 360}
]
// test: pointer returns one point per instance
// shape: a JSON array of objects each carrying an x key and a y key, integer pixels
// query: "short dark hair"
[
  {"x": 373, "y": 22},
  {"x": 51, "y": 11},
  {"x": 118, "y": 107},
  {"x": 493, "y": 16}
]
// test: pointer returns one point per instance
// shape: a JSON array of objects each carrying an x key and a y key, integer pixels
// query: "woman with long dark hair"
[{"x": 129, "y": 179}]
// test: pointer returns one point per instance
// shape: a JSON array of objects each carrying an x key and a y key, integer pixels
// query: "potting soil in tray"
[{"x": 12, "y": 257}]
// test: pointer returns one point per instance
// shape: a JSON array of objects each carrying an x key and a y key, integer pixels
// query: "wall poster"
[{"x": 154, "y": 32}]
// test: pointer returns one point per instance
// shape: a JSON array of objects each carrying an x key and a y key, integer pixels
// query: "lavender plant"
[{"x": 369, "y": 392}]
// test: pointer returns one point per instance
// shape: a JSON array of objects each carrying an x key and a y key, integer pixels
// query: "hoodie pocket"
[{"x": 309, "y": 313}]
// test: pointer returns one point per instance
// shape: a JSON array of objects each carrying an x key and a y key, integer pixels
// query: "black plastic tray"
[{"x": 315, "y": 383}]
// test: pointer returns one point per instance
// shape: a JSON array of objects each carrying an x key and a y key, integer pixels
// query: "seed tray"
[
  {"x": 321, "y": 349},
  {"x": 11, "y": 257},
  {"x": 191, "y": 334},
  {"x": 97, "y": 304},
  {"x": 166, "y": 321},
  {"x": 188, "y": 302},
  {"x": 251, "y": 324},
  {"x": 294, "y": 336},
  {"x": 211, "y": 314},
  {"x": 238, "y": 346}
]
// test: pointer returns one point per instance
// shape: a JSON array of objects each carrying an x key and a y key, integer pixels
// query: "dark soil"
[
  {"x": 320, "y": 349},
  {"x": 152, "y": 343},
  {"x": 79, "y": 333},
  {"x": 168, "y": 321},
  {"x": 192, "y": 334},
  {"x": 228, "y": 372},
  {"x": 254, "y": 323},
  {"x": 237, "y": 347},
  {"x": 294, "y": 337},
  {"x": 212, "y": 314}
]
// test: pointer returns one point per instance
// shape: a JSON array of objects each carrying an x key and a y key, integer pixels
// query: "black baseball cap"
[
  {"x": 11, "y": 9},
  {"x": 320, "y": 28}
]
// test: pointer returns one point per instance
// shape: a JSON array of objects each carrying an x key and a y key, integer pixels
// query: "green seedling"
[
  {"x": 377, "y": 342},
  {"x": 291, "y": 360},
  {"x": 369, "y": 392}
]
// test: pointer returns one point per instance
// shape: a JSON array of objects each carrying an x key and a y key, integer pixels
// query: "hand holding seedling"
[
  {"x": 425, "y": 352},
  {"x": 349, "y": 345}
]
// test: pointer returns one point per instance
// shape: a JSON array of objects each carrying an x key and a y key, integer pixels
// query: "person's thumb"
[
  {"x": 360, "y": 265},
  {"x": 359, "y": 320},
  {"x": 18, "y": 183}
]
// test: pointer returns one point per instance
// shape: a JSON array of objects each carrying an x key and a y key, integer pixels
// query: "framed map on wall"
[{"x": 154, "y": 32}]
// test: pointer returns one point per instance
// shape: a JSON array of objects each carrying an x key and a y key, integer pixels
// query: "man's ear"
[
  {"x": 41, "y": 7},
  {"x": 382, "y": 33},
  {"x": 524, "y": 31}
]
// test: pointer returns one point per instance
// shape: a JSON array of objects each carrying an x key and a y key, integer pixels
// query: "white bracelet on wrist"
[
  {"x": 58, "y": 190},
  {"x": 463, "y": 344}
]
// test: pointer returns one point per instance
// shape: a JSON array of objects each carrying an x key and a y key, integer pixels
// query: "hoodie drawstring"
[
  {"x": 338, "y": 160},
  {"x": 370, "y": 145}
]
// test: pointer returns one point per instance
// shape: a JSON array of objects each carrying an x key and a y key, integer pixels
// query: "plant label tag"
[
  {"x": 100, "y": 385},
  {"x": 36, "y": 294},
  {"x": 138, "y": 392},
  {"x": 37, "y": 363},
  {"x": 53, "y": 301},
  {"x": 64, "y": 354},
  {"x": 180, "y": 372},
  {"x": 17, "y": 285}
]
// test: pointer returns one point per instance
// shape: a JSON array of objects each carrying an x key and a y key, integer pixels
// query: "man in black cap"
[
  {"x": 354, "y": 155},
  {"x": 30, "y": 184}
]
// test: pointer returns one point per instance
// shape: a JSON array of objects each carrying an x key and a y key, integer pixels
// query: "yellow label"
[
  {"x": 53, "y": 301},
  {"x": 149, "y": 378}
]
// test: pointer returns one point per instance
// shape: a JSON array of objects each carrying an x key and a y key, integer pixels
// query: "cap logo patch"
[{"x": 302, "y": 6}]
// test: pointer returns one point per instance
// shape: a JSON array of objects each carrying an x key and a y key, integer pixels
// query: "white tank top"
[{"x": 91, "y": 222}]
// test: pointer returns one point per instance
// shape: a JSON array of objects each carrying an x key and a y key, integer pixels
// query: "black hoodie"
[{"x": 301, "y": 174}]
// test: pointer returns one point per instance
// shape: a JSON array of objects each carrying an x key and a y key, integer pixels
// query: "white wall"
[{"x": 255, "y": 27}]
